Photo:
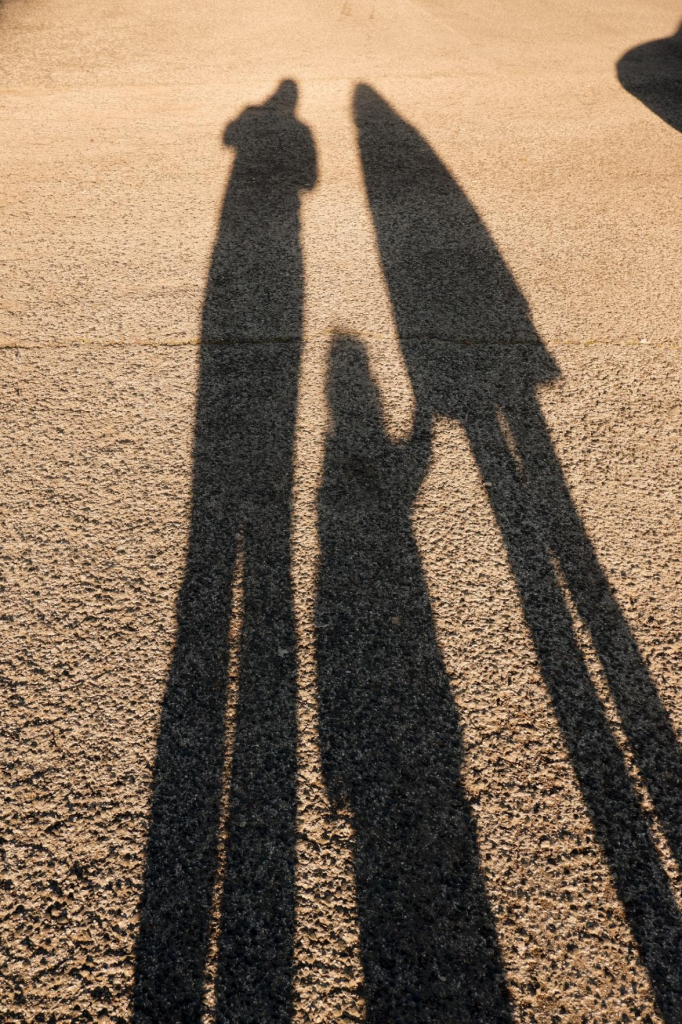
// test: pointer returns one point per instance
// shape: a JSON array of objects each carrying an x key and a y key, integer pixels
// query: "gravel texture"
[
  {"x": 341, "y": 515},
  {"x": 476, "y": 714}
]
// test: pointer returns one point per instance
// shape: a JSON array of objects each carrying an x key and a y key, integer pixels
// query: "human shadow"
[
  {"x": 653, "y": 73},
  {"x": 390, "y": 740},
  {"x": 448, "y": 282},
  {"x": 240, "y": 516}
]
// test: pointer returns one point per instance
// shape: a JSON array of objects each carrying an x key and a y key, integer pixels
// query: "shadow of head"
[
  {"x": 652, "y": 73},
  {"x": 254, "y": 290},
  {"x": 445, "y": 274},
  {"x": 465, "y": 328},
  {"x": 284, "y": 98},
  {"x": 280, "y": 107},
  {"x": 351, "y": 393}
]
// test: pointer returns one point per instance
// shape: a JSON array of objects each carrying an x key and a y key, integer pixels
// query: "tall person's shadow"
[
  {"x": 240, "y": 515},
  {"x": 447, "y": 280},
  {"x": 653, "y": 73}
]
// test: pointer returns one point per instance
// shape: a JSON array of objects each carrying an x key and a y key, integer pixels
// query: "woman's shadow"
[
  {"x": 653, "y": 73},
  {"x": 448, "y": 281},
  {"x": 240, "y": 526}
]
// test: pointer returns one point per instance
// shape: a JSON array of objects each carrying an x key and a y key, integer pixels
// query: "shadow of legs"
[
  {"x": 257, "y": 911},
  {"x": 645, "y": 720},
  {"x": 618, "y": 820},
  {"x": 242, "y": 484}
]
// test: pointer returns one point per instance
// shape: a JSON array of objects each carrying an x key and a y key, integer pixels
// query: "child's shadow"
[{"x": 389, "y": 729}]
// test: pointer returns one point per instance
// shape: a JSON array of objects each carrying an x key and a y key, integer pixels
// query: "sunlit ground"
[{"x": 341, "y": 513}]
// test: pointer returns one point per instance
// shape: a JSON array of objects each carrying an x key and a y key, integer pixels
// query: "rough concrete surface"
[{"x": 340, "y": 512}]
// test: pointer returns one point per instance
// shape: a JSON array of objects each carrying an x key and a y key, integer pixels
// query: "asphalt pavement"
[{"x": 341, "y": 512}]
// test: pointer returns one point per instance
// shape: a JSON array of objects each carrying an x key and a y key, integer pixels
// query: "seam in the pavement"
[{"x": 196, "y": 343}]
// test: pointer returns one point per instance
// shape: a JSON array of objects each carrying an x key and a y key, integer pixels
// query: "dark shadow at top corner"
[{"x": 652, "y": 72}]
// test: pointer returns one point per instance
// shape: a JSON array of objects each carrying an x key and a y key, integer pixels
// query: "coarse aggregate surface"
[{"x": 341, "y": 512}]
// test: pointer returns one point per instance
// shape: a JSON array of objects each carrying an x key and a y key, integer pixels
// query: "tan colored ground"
[{"x": 385, "y": 594}]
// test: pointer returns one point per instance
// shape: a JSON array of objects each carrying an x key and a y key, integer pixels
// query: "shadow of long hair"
[
  {"x": 653, "y": 73},
  {"x": 241, "y": 508},
  {"x": 447, "y": 281}
]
